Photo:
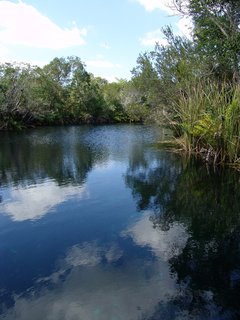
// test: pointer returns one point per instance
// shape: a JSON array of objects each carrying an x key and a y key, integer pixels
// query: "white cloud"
[
  {"x": 4, "y": 53},
  {"x": 33, "y": 62},
  {"x": 7, "y": 55},
  {"x": 109, "y": 78},
  {"x": 164, "y": 5},
  {"x": 105, "y": 46},
  {"x": 22, "y": 24},
  {"x": 94, "y": 290},
  {"x": 100, "y": 63},
  {"x": 34, "y": 202},
  {"x": 91, "y": 254},
  {"x": 164, "y": 244},
  {"x": 184, "y": 24},
  {"x": 150, "y": 38},
  {"x": 185, "y": 27},
  {"x": 99, "y": 56}
]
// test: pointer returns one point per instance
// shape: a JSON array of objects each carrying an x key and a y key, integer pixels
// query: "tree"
[
  {"x": 60, "y": 92},
  {"x": 113, "y": 94},
  {"x": 15, "y": 106},
  {"x": 162, "y": 75},
  {"x": 217, "y": 34}
]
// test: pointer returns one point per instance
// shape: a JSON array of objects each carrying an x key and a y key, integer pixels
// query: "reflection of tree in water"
[
  {"x": 57, "y": 154},
  {"x": 208, "y": 204},
  {"x": 151, "y": 179}
]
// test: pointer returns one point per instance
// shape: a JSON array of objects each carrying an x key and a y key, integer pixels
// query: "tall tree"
[{"x": 217, "y": 33}]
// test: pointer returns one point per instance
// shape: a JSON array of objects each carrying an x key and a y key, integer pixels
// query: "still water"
[{"x": 97, "y": 223}]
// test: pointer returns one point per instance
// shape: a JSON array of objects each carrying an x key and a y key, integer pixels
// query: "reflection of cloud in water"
[
  {"x": 93, "y": 290},
  {"x": 164, "y": 244},
  {"x": 34, "y": 202},
  {"x": 89, "y": 254}
]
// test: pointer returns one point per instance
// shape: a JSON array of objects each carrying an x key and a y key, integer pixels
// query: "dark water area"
[{"x": 97, "y": 223}]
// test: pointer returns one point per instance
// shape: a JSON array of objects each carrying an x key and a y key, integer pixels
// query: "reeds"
[{"x": 206, "y": 120}]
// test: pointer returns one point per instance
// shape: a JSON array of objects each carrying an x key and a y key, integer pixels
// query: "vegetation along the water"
[{"x": 191, "y": 85}]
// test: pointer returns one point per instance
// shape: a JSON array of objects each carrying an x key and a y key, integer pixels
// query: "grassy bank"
[{"x": 206, "y": 120}]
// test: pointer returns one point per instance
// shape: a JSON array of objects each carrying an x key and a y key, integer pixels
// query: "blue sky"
[{"x": 107, "y": 35}]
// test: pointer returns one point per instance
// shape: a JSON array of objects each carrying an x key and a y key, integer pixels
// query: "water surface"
[{"x": 98, "y": 223}]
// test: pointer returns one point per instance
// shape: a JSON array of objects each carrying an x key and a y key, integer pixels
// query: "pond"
[{"x": 97, "y": 223}]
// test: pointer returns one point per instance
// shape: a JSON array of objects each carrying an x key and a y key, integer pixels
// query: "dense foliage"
[
  {"x": 62, "y": 92},
  {"x": 193, "y": 85}
]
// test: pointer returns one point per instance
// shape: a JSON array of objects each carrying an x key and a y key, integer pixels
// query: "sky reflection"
[
  {"x": 164, "y": 244},
  {"x": 35, "y": 201},
  {"x": 86, "y": 288},
  {"x": 136, "y": 233}
]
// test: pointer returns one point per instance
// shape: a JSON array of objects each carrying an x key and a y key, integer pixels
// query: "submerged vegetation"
[{"x": 191, "y": 85}]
